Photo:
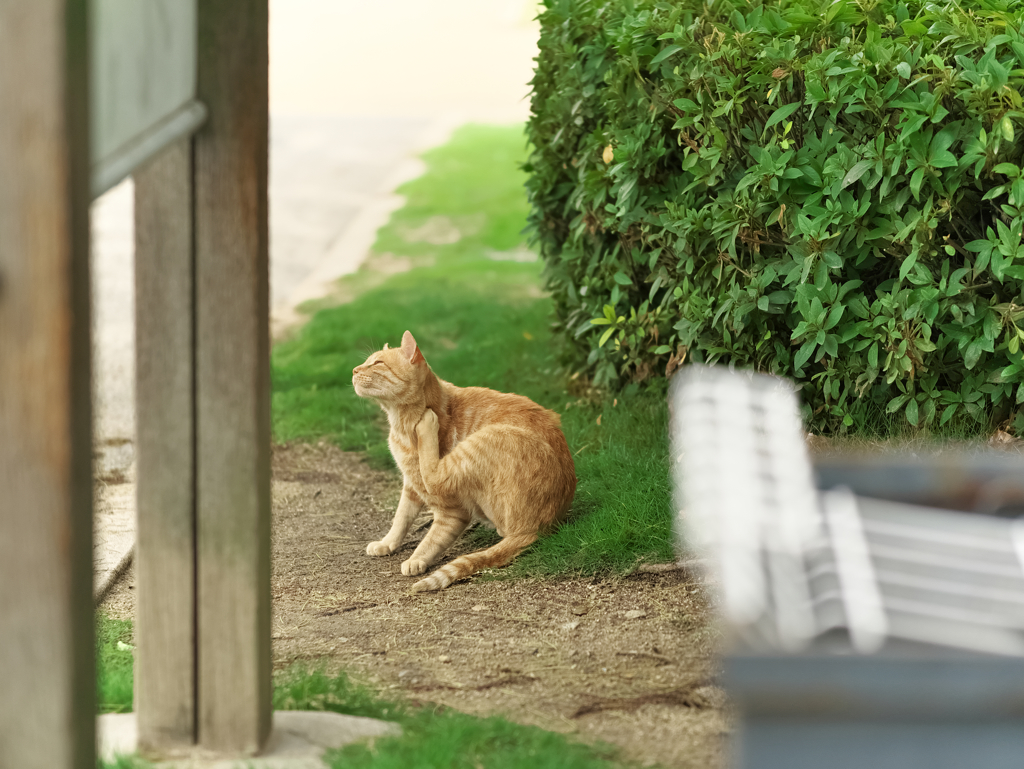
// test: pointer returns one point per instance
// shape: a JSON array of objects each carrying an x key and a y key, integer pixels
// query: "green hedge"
[{"x": 827, "y": 190}]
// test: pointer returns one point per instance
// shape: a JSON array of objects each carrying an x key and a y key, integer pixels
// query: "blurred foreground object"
[{"x": 867, "y": 626}]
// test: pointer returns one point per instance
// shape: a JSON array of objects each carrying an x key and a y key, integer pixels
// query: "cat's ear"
[
  {"x": 410, "y": 349},
  {"x": 385, "y": 345}
]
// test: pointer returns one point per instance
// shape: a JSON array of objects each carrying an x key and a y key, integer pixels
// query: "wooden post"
[
  {"x": 204, "y": 658},
  {"x": 233, "y": 379},
  {"x": 165, "y": 694},
  {"x": 47, "y": 698}
]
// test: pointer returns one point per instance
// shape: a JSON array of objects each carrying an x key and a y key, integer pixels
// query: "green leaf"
[
  {"x": 605, "y": 335},
  {"x": 928, "y": 407},
  {"x": 908, "y": 265},
  {"x": 942, "y": 141},
  {"x": 948, "y": 413},
  {"x": 723, "y": 109},
  {"x": 803, "y": 354},
  {"x": 896, "y": 403},
  {"x": 915, "y": 182},
  {"x": 912, "y": 412},
  {"x": 973, "y": 353},
  {"x": 662, "y": 349},
  {"x": 832, "y": 260},
  {"x": 623, "y": 279},
  {"x": 1006, "y": 127},
  {"x": 858, "y": 170},
  {"x": 831, "y": 345},
  {"x": 665, "y": 54},
  {"x": 904, "y": 70},
  {"x": 833, "y": 316},
  {"x": 782, "y": 113}
]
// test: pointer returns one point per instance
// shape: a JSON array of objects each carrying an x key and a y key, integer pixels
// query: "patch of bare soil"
[{"x": 626, "y": 660}]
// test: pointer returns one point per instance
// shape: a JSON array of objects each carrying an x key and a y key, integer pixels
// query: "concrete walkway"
[{"x": 358, "y": 91}]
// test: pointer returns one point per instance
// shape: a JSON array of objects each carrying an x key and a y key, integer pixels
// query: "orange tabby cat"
[{"x": 465, "y": 451}]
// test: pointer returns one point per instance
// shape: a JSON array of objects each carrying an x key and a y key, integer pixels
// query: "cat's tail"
[{"x": 491, "y": 558}]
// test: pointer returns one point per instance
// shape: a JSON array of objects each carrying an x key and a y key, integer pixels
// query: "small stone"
[
  {"x": 570, "y": 625},
  {"x": 479, "y": 607},
  {"x": 404, "y": 673},
  {"x": 635, "y": 614},
  {"x": 579, "y": 610},
  {"x": 444, "y": 658}
]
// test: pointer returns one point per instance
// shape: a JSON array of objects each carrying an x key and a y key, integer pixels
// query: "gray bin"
[
  {"x": 912, "y": 660},
  {"x": 881, "y": 711}
]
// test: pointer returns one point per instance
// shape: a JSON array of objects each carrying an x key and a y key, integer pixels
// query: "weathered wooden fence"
[
  {"x": 90, "y": 92},
  {"x": 46, "y": 701}
]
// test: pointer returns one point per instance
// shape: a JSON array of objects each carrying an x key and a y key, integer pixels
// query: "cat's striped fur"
[{"x": 465, "y": 451}]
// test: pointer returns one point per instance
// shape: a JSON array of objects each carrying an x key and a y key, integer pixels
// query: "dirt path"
[{"x": 621, "y": 660}]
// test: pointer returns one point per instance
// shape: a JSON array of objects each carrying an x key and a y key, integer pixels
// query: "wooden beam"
[
  {"x": 165, "y": 692},
  {"x": 47, "y": 697},
  {"x": 233, "y": 379}
]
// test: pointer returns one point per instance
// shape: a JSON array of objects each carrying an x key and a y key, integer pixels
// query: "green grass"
[
  {"x": 125, "y": 762},
  {"x": 115, "y": 677},
  {"x": 481, "y": 321},
  {"x": 114, "y": 660},
  {"x": 433, "y": 737}
]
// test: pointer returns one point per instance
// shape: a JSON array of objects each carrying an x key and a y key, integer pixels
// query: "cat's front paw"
[
  {"x": 379, "y": 548},
  {"x": 414, "y": 566},
  {"x": 427, "y": 425}
]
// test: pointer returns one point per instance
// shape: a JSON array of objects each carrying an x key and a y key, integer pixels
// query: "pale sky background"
[{"x": 431, "y": 58}]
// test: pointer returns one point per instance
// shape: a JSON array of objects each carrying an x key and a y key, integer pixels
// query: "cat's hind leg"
[
  {"x": 408, "y": 508},
  {"x": 463, "y": 566}
]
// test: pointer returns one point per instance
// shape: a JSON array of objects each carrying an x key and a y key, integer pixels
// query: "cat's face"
[{"x": 392, "y": 375}]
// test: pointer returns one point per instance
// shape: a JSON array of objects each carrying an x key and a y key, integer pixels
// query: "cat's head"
[{"x": 393, "y": 375}]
